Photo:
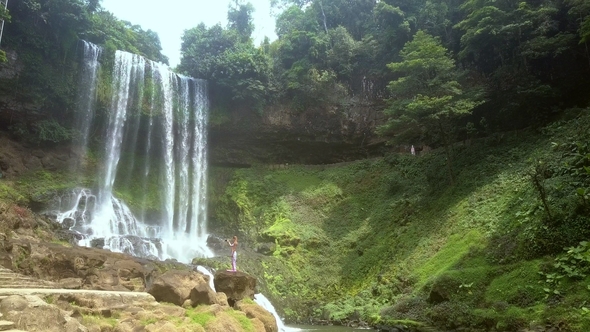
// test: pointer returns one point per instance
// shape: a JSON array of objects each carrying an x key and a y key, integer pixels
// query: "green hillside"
[{"x": 390, "y": 239}]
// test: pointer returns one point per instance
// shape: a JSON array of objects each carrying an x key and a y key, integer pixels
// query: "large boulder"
[
  {"x": 236, "y": 285},
  {"x": 203, "y": 294},
  {"x": 175, "y": 286},
  {"x": 254, "y": 311},
  {"x": 33, "y": 314}
]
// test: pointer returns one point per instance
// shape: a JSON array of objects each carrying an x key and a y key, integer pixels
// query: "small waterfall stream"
[
  {"x": 262, "y": 301},
  {"x": 154, "y": 145}
]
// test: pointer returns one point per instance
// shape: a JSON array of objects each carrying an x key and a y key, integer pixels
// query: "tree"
[
  {"x": 427, "y": 97},
  {"x": 238, "y": 72},
  {"x": 239, "y": 17}
]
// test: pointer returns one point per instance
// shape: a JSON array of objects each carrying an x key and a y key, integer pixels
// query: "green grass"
[
  {"x": 245, "y": 323},
  {"x": 518, "y": 285},
  {"x": 362, "y": 236},
  {"x": 201, "y": 318},
  {"x": 457, "y": 246},
  {"x": 8, "y": 193},
  {"x": 62, "y": 243},
  {"x": 148, "y": 321},
  {"x": 89, "y": 320}
]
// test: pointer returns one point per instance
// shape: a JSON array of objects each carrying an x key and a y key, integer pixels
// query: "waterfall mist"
[{"x": 153, "y": 158}]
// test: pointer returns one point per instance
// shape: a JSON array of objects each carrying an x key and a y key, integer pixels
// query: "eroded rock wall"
[{"x": 281, "y": 135}]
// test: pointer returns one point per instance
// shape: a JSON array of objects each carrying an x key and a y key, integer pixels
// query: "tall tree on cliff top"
[
  {"x": 237, "y": 71},
  {"x": 239, "y": 16},
  {"x": 428, "y": 97}
]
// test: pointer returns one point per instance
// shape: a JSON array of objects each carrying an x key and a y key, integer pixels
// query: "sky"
[{"x": 171, "y": 17}]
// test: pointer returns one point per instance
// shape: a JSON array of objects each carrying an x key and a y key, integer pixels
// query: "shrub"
[
  {"x": 410, "y": 307},
  {"x": 450, "y": 315}
]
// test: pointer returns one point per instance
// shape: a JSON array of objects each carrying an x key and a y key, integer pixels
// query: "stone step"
[
  {"x": 6, "y": 325},
  {"x": 10, "y": 279},
  {"x": 27, "y": 286},
  {"x": 18, "y": 284},
  {"x": 24, "y": 280},
  {"x": 12, "y": 274}
]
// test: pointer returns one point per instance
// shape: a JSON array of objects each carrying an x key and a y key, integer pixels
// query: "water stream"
[{"x": 264, "y": 302}]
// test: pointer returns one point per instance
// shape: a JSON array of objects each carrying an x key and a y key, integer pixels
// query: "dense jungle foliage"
[
  {"x": 447, "y": 68},
  {"x": 46, "y": 37},
  {"x": 388, "y": 241}
]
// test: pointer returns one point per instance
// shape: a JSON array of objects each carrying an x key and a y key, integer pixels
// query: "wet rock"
[
  {"x": 253, "y": 310},
  {"x": 236, "y": 285},
  {"x": 215, "y": 242},
  {"x": 68, "y": 223},
  {"x": 175, "y": 286},
  {"x": 202, "y": 294},
  {"x": 97, "y": 243},
  {"x": 69, "y": 236}
]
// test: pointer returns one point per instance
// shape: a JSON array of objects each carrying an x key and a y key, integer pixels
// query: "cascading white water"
[
  {"x": 206, "y": 272},
  {"x": 86, "y": 101},
  {"x": 155, "y": 141},
  {"x": 262, "y": 301}
]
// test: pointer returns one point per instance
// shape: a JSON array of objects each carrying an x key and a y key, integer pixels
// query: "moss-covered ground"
[{"x": 390, "y": 239}]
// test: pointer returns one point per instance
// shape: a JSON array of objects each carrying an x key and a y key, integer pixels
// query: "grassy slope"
[{"x": 389, "y": 239}]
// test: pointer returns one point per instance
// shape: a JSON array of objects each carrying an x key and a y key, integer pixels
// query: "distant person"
[
  {"x": 413, "y": 150},
  {"x": 234, "y": 253}
]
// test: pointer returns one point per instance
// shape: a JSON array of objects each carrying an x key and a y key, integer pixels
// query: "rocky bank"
[{"x": 51, "y": 285}]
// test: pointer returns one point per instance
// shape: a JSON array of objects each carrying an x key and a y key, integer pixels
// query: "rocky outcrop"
[
  {"x": 236, "y": 285},
  {"x": 253, "y": 310},
  {"x": 12, "y": 108},
  {"x": 80, "y": 267},
  {"x": 203, "y": 294},
  {"x": 282, "y": 135},
  {"x": 17, "y": 159},
  {"x": 179, "y": 286},
  {"x": 33, "y": 314}
]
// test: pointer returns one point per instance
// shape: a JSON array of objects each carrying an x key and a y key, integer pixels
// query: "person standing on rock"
[{"x": 234, "y": 253}]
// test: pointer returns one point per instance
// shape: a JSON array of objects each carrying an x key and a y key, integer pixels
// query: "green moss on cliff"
[{"x": 364, "y": 236}]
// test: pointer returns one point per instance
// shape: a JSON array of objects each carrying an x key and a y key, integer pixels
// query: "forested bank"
[
  {"x": 444, "y": 69},
  {"x": 488, "y": 232},
  {"x": 387, "y": 241},
  {"x": 40, "y": 79},
  {"x": 475, "y": 67}
]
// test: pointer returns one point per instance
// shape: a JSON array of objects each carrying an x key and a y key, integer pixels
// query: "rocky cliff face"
[
  {"x": 12, "y": 107},
  {"x": 282, "y": 135}
]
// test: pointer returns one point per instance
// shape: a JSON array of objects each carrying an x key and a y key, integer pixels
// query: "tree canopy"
[
  {"x": 529, "y": 57},
  {"x": 526, "y": 57}
]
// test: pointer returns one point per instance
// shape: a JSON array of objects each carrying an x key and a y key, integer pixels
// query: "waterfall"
[
  {"x": 86, "y": 101},
  {"x": 262, "y": 301},
  {"x": 206, "y": 272},
  {"x": 155, "y": 148}
]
